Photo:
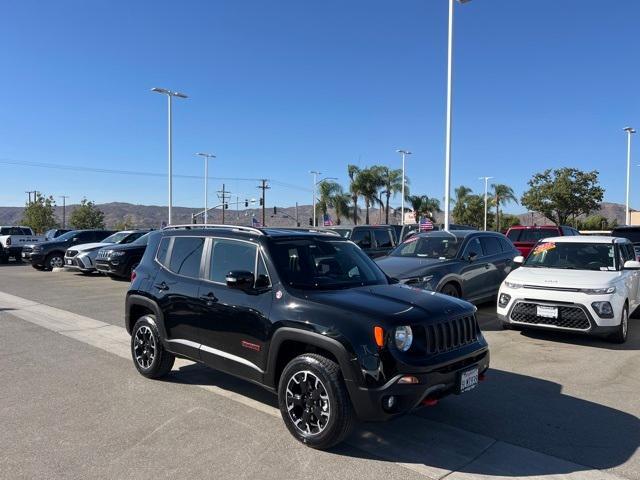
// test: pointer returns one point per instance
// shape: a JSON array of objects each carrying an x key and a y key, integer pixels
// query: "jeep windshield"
[
  {"x": 572, "y": 256},
  {"x": 311, "y": 263},
  {"x": 434, "y": 246}
]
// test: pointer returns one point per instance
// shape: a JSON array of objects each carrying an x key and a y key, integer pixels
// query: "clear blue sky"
[{"x": 282, "y": 87}]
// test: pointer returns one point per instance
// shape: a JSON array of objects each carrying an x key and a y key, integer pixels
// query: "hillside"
[{"x": 152, "y": 216}]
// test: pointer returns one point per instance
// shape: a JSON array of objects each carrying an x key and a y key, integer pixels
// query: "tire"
[
  {"x": 451, "y": 290},
  {"x": 621, "y": 334},
  {"x": 54, "y": 260},
  {"x": 38, "y": 267},
  {"x": 148, "y": 355},
  {"x": 4, "y": 258},
  {"x": 311, "y": 381}
]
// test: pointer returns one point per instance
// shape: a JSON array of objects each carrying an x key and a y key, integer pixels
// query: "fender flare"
[
  {"x": 139, "y": 300},
  {"x": 450, "y": 278},
  {"x": 332, "y": 345}
]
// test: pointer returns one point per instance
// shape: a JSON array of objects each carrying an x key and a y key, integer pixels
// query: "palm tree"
[
  {"x": 502, "y": 194},
  {"x": 355, "y": 189},
  {"x": 326, "y": 191},
  {"x": 370, "y": 181},
  {"x": 461, "y": 192},
  {"x": 341, "y": 202},
  {"x": 392, "y": 184},
  {"x": 423, "y": 205}
]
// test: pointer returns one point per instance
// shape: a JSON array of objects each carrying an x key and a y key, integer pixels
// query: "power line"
[{"x": 140, "y": 173}]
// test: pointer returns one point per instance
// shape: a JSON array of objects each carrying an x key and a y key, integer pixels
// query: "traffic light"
[
  {"x": 311, "y": 221},
  {"x": 246, "y": 203},
  {"x": 226, "y": 206},
  {"x": 261, "y": 202},
  {"x": 275, "y": 210}
]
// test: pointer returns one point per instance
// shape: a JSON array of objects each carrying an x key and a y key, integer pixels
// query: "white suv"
[{"x": 578, "y": 284}]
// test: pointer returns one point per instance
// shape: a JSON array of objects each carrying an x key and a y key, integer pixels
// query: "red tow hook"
[{"x": 430, "y": 402}]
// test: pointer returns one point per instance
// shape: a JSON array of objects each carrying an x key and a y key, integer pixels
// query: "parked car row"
[{"x": 113, "y": 253}]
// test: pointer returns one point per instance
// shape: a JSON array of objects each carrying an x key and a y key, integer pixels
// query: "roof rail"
[
  {"x": 307, "y": 229},
  {"x": 237, "y": 228}
]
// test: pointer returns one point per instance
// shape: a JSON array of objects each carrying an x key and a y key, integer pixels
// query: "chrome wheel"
[
  {"x": 144, "y": 347},
  {"x": 56, "y": 262},
  {"x": 307, "y": 403}
]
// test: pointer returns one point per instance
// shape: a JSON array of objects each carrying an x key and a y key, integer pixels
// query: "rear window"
[
  {"x": 14, "y": 231},
  {"x": 531, "y": 235},
  {"x": 633, "y": 235}
]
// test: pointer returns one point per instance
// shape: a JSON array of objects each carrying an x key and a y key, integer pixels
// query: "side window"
[
  {"x": 87, "y": 237},
  {"x": 229, "y": 255},
  {"x": 506, "y": 245},
  {"x": 161, "y": 254},
  {"x": 362, "y": 238},
  {"x": 628, "y": 252},
  {"x": 473, "y": 247},
  {"x": 262, "y": 275},
  {"x": 490, "y": 245},
  {"x": 186, "y": 255},
  {"x": 383, "y": 238}
]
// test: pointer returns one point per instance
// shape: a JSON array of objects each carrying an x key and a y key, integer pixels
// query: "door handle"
[
  {"x": 209, "y": 298},
  {"x": 162, "y": 286}
]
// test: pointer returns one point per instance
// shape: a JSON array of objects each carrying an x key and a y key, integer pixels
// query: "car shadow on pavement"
[
  {"x": 508, "y": 415},
  {"x": 632, "y": 343}
]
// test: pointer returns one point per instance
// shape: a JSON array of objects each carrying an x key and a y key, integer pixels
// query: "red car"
[{"x": 524, "y": 238}]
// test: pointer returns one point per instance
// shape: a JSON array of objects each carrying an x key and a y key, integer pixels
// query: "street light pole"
[
  {"x": 206, "y": 157},
  {"x": 447, "y": 160},
  {"x": 170, "y": 94},
  {"x": 403, "y": 153},
  {"x": 315, "y": 183},
  {"x": 629, "y": 131},
  {"x": 64, "y": 210},
  {"x": 486, "y": 179}
]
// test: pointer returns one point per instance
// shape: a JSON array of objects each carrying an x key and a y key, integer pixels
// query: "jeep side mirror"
[
  {"x": 240, "y": 280},
  {"x": 472, "y": 256},
  {"x": 519, "y": 260}
]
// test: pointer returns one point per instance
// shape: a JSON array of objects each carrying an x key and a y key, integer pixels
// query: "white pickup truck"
[{"x": 12, "y": 240}]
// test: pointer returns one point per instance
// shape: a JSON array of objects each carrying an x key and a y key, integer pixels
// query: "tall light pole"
[
  {"x": 64, "y": 209},
  {"x": 629, "y": 131},
  {"x": 486, "y": 180},
  {"x": 403, "y": 153},
  {"x": 315, "y": 183},
  {"x": 447, "y": 159},
  {"x": 206, "y": 157},
  {"x": 170, "y": 94}
]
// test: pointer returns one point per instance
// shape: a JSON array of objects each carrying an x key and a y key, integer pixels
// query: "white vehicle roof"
[{"x": 585, "y": 239}]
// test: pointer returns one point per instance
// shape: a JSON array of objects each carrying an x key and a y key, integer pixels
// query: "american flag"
[
  {"x": 326, "y": 219},
  {"x": 255, "y": 222},
  {"x": 425, "y": 224}
]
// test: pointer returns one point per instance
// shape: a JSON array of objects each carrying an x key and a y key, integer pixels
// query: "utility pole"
[
  {"x": 64, "y": 209},
  {"x": 486, "y": 180},
  {"x": 223, "y": 192},
  {"x": 297, "y": 222},
  {"x": 630, "y": 131},
  {"x": 264, "y": 187},
  {"x": 29, "y": 192}
]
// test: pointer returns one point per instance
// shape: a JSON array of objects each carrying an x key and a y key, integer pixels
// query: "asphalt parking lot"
[{"x": 73, "y": 406}]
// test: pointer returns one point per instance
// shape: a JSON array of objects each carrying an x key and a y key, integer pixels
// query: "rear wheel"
[
  {"x": 451, "y": 290},
  {"x": 620, "y": 336},
  {"x": 149, "y": 356},
  {"x": 314, "y": 402}
]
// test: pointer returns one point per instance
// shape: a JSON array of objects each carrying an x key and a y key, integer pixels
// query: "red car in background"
[{"x": 525, "y": 237}]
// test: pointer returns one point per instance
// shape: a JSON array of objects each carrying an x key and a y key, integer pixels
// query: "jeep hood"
[{"x": 396, "y": 304}]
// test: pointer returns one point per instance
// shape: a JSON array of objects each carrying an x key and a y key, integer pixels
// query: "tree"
[
  {"x": 469, "y": 210},
  {"x": 597, "y": 222},
  {"x": 508, "y": 220},
  {"x": 392, "y": 184},
  {"x": 40, "y": 214},
  {"x": 562, "y": 193},
  {"x": 370, "y": 181},
  {"x": 423, "y": 205},
  {"x": 341, "y": 202},
  {"x": 502, "y": 195},
  {"x": 354, "y": 189},
  {"x": 331, "y": 195},
  {"x": 87, "y": 215}
]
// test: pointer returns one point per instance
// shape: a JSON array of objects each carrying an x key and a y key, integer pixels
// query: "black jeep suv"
[
  {"x": 308, "y": 316},
  {"x": 121, "y": 260}
]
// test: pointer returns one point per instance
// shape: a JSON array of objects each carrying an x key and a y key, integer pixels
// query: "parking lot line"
[{"x": 444, "y": 451}]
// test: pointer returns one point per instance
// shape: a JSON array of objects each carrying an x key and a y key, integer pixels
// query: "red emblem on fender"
[{"x": 251, "y": 346}]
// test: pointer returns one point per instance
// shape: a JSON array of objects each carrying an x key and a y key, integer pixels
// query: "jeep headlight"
[{"x": 403, "y": 337}]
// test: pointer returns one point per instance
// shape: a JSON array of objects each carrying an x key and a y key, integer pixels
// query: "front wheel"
[
  {"x": 620, "y": 336},
  {"x": 55, "y": 260},
  {"x": 451, "y": 290},
  {"x": 149, "y": 356},
  {"x": 314, "y": 402}
]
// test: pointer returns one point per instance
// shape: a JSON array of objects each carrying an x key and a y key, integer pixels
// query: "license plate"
[
  {"x": 547, "y": 312},
  {"x": 69, "y": 262},
  {"x": 468, "y": 380}
]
